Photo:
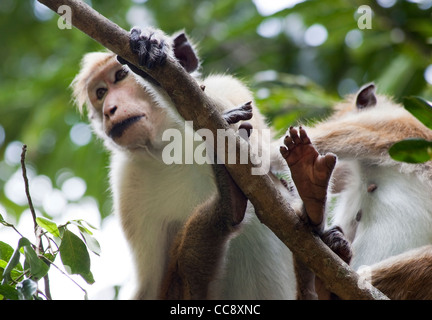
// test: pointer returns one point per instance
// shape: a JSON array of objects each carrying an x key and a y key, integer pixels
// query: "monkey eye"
[
  {"x": 100, "y": 93},
  {"x": 120, "y": 75}
]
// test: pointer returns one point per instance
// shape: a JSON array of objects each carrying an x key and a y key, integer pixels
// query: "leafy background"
[{"x": 298, "y": 59}]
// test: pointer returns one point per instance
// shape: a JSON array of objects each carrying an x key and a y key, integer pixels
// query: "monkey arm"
[
  {"x": 198, "y": 251},
  {"x": 311, "y": 174}
]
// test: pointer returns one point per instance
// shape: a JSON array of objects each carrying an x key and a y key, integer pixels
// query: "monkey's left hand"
[
  {"x": 151, "y": 47},
  {"x": 310, "y": 172}
]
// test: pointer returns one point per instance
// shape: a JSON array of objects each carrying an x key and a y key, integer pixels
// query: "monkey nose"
[{"x": 110, "y": 111}]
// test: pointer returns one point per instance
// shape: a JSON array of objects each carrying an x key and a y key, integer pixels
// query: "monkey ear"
[
  {"x": 366, "y": 96},
  {"x": 185, "y": 53}
]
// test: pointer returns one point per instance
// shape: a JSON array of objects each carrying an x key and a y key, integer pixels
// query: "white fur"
[
  {"x": 154, "y": 200},
  {"x": 150, "y": 196},
  {"x": 397, "y": 215},
  {"x": 263, "y": 271}
]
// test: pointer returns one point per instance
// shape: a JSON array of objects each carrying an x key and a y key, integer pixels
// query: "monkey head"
[{"x": 124, "y": 110}]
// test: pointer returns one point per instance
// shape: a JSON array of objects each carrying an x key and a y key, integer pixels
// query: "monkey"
[
  {"x": 386, "y": 206},
  {"x": 383, "y": 217},
  {"x": 160, "y": 205}
]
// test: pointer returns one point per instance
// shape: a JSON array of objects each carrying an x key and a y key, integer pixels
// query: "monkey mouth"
[{"x": 119, "y": 128}]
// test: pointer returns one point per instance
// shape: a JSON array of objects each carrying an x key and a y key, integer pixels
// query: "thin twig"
[
  {"x": 37, "y": 230},
  {"x": 47, "y": 287},
  {"x": 26, "y": 185},
  {"x": 6, "y": 224}
]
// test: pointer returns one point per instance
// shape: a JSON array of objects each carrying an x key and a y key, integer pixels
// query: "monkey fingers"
[
  {"x": 310, "y": 172},
  {"x": 244, "y": 112},
  {"x": 148, "y": 47},
  {"x": 335, "y": 239}
]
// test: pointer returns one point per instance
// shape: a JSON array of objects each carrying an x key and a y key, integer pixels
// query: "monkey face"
[{"x": 120, "y": 108}]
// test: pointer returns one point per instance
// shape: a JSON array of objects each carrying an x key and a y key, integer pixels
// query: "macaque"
[
  {"x": 171, "y": 213},
  {"x": 384, "y": 206}
]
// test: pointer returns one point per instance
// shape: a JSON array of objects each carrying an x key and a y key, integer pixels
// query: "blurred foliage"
[
  {"x": 415, "y": 150},
  {"x": 294, "y": 79}
]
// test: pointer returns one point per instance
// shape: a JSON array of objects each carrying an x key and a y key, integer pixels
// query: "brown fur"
[
  {"x": 407, "y": 276},
  {"x": 370, "y": 131}
]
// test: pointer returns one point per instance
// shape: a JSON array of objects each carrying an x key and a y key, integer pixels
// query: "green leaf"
[
  {"x": 4, "y": 222},
  {"x": 9, "y": 292},
  {"x": 92, "y": 243},
  {"x": 6, "y": 251},
  {"x": 88, "y": 277},
  {"x": 75, "y": 257},
  {"x": 419, "y": 108},
  {"x": 26, "y": 289},
  {"x": 38, "y": 268},
  {"x": 48, "y": 225},
  {"x": 14, "y": 260},
  {"x": 80, "y": 224},
  {"x": 412, "y": 151},
  {"x": 15, "y": 273}
]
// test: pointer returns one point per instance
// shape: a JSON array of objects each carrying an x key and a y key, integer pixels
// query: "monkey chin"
[{"x": 130, "y": 134}]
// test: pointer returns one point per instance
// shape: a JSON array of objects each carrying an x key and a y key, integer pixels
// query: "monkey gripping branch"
[{"x": 193, "y": 104}]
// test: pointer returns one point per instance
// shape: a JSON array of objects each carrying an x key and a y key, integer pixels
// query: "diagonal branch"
[{"x": 193, "y": 104}]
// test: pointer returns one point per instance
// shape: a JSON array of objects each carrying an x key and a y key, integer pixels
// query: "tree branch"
[
  {"x": 193, "y": 104},
  {"x": 37, "y": 229},
  {"x": 26, "y": 187}
]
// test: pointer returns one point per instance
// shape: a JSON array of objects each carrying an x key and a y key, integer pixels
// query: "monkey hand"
[
  {"x": 152, "y": 49},
  {"x": 242, "y": 113},
  {"x": 151, "y": 46},
  {"x": 235, "y": 115},
  {"x": 335, "y": 239},
  {"x": 310, "y": 172}
]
